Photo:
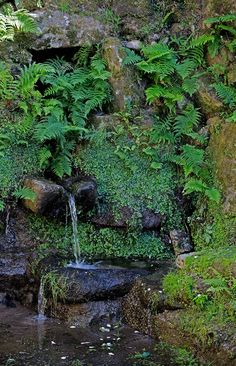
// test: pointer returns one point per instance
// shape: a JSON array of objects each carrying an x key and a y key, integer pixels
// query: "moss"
[
  {"x": 207, "y": 285},
  {"x": 125, "y": 178}
]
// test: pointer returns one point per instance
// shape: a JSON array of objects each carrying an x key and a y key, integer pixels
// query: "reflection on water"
[{"x": 26, "y": 341}]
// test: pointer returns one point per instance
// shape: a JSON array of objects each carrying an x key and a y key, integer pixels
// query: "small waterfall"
[
  {"x": 74, "y": 218},
  {"x": 41, "y": 302}
]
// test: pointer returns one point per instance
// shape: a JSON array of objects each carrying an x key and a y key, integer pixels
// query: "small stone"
[
  {"x": 111, "y": 354},
  {"x": 63, "y": 357},
  {"x": 52, "y": 342},
  {"x": 133, "y": 45},
  {"x": 72, "y": 327}
]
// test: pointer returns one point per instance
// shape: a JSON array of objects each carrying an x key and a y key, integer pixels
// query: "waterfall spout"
[{"x": 73, "y": 213}]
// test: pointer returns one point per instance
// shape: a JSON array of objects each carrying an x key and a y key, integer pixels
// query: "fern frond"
[
  {"x": 226, "y": 93},
  {"x": 50, "y": 129},
  {"x": 184, "y": 122},
  {"x": 221, "y": 19},
  {"x": 227, "y": 28},
  {"x": 185, "y": 68},
  {"x": 190, "y": 86},
  {"x": 25, "y": 193},
  {"x": 131, "y": 58},
  {"x": 156, "y": 51},
  {"x": 44, "y": 156},
  {"x": 61, "y": 165},
  {"x": 81, "y": 57},
  {"x": 194, "y": 185},
  {"x": 191, "y": 159},
  {"x": 201, "y": 40}
]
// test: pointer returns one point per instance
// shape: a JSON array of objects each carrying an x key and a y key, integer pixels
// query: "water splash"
[{"x": 74, "y": 218}]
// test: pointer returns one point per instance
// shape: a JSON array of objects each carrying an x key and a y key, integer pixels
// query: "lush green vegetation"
[
  {"x": 94, "y": 242},
  {"x": 207, "y": 287}
]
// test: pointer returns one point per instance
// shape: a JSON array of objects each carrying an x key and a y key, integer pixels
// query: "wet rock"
[
  {"x": 85, "y": 193},
  {"x": 84, "y": 190},
  {"x": 124, "y": 81},
  {"x": 61, "y": 30},
  {"x": 90, "y": 313},
  {"x": 50, "y": 197},
  {"x": 98, "y": 284},
  {"x": 181, "y": 242}
]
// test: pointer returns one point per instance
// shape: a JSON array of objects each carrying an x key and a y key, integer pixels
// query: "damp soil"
[{"x": 26, "y": 341}]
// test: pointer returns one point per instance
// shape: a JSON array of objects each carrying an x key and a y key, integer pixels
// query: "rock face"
[
  {"x": 85, "y": 192},
  {"x": 123, "y": 80},
  {"x": 98, "y": 284},
  {"x": 209, "y": 102},
  {"x": 181, "y": 242},
  {"x": 58, "y": 29},
  {"x": 150, "y": 220},
  {"x": 49, "y": 196},
  {"x": 16, "y": 250},
  {"x": 222, "y": 148}
]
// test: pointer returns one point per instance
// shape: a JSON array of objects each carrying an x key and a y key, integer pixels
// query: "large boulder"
[
  {"x": 58, "y": 29},
  {"x": 124, "y": 80}
]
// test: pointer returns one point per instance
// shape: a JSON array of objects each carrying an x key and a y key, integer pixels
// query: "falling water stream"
[
  {"x": 41, "y": 302},
  {"x": 74, "y": 218}
]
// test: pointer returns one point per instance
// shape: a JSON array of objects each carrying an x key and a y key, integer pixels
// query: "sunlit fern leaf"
[
  {"x": 194, "y": 185},
  {"x": 131, "y": 58},
  {"x": 25, "y": 193},
  {"x": 16, "y": 21},
  {"x": 157, "y": 50},
  {"x": 213, "y": 194},
  {"x": 158, "y": 91},
  {"x": 214, "y": 46},
  {"x": 191, "y": 159},
  {"x": 61, "y": 165},
  {"x": 196, "y": 54},
  {"x": 232, "y": 117},
  {"x": 227, "y": 28},
  {"x": 201, "y": 40},
  {"x": 81, "y": 57},
  {"x": 29, "y": 77}
]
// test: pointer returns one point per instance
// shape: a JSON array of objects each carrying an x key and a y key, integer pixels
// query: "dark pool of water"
[{"x": 24, "y": 341}]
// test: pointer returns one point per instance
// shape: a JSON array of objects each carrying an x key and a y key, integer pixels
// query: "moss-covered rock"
[
  {"x": 124, "y": 81},
  {"x": 222, "y": 149},
  {"x": 207, "y": 99},
  {"x": 61, "y": 30}
]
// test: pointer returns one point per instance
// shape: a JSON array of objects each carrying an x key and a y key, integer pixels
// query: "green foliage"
[
  {"x": 207, "y": 286},
  {"x": 12, "y": 22},
  {"x": 55, "y": 286},
  {"x": 172, "y": 70},
  {"x": 109, "y": 17},
  {"x": 94, "y": 242},
  {"x": 25, "y": 193},
  {"x": 126, "y": 175}
]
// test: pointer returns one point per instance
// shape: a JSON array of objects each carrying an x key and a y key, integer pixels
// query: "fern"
[
  {"x": 186, "y": 121},
  {"x": 81, "y": 57},
  {"x": 44, "y": 157},
  {"x": 16, "y": 21},
  {"x": 221, "y": 19},
  {"x": 226, "y": 93},
  {"x": 131, "y": 58},
  {"x": 25, "y": 193},
  {"x": 2, "y": 205},
  {"x": 201, "y": 40}
]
